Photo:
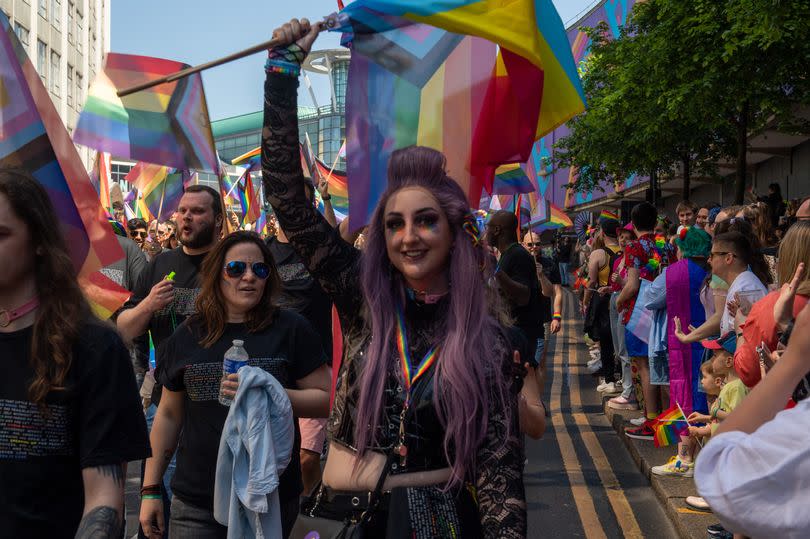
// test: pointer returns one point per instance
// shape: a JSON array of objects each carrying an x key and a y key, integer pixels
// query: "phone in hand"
[{"x": 765, "y": 356}]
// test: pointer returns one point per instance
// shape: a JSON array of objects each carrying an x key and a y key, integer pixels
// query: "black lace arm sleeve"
[
  {"x": 499, "y": 482},
  {"x": 327, "y": 257}
]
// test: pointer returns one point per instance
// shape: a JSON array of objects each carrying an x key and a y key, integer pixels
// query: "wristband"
[
  {"x": 556, "y": 316},
  {"x": 280, "y": 66},
  {"x": 150, "y": 489},
  {"x": 327, "y": 197},
  {"x": 151, "y": 497}
]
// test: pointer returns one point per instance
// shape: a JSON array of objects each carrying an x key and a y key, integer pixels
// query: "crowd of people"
[
  {"x": 686, "y": 323},
  {"x": 423, "y": 340}
]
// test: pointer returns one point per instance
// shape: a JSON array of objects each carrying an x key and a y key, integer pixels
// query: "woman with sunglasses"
[
  {"x": 425, "y": 405},
  {"x": 236, "y": 301}
]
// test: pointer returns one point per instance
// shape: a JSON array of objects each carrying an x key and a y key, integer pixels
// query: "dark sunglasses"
[
  {"x": 139, "y": 234},
  {"x": 237, "y": 268},
  {"x": 533, "y": 244}
]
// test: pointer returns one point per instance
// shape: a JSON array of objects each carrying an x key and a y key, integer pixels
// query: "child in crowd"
[
  {"x": 733, "y": 388},
  {"x": 683, "y": 463}
]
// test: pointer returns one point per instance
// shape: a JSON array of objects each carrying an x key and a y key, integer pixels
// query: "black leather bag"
[{"x": 308, "y": 520}]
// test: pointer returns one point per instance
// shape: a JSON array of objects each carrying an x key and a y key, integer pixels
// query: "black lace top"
[{"x": 335, "y": 263}]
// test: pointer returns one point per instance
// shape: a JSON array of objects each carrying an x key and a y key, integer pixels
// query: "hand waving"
[{"x": 783, "y": 308}]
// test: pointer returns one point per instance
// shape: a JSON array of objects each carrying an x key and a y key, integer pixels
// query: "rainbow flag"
[
  {"x": 605, "y": 214},
  {"x": 249, "y": 198},
  {"x": 161, "y": 188},
  {"x": 167, "y": 124},
  {"x": 412, "y": 83},
  {"x": 531, "y": 29},
  {"x": 33, "y": 138},
  {"x": 555, "y": 218},
  {"x": 511, "y": 179},
  {"x": 100, "y": 178},
  {"x": 338, "y": 189},
  {"x": 669, "y": 427}
]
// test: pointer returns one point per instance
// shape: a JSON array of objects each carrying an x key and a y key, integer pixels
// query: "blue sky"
[{"x": 197, "y": 31}]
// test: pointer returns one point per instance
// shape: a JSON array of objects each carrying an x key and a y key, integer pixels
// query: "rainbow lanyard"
[{"x": 409, "y": 374}]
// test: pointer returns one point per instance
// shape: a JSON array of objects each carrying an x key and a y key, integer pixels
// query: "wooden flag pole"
[
  {"x": 328, "y": 22},
  {"x": 196, "y": 69}
]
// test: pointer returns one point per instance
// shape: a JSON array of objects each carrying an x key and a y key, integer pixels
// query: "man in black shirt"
[
  {"x": 548, "y": 275},
  {"x": 516, "y": 275},
  {"x": 159, "y": 304}
]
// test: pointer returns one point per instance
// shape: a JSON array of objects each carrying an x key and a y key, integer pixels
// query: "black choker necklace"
[{"x": 424, "y": 297}]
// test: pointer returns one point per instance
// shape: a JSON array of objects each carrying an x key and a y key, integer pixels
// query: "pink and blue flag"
[
  {"x": 167, "y": 124},
  {"x": 33, "y": 138}
]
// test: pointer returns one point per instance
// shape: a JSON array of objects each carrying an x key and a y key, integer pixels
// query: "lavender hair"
[{"x": 469, "y": 380}]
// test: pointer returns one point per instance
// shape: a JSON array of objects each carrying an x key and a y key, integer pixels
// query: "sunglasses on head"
[{"x": 237, "y": 268}]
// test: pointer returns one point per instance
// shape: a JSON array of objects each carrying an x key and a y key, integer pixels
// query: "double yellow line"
[{"x": 573, "y": 468}]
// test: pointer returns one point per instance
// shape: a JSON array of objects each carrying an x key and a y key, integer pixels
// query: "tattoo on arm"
[
  {"x": 100, "y": 523},
  {"x": 115, "y": 471}
]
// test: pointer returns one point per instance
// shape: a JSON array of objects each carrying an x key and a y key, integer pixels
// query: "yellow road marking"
[
  {"x": 618, "y": 501},
  {"x": 579, "y": 489},
  {"x": 692, "y": 511}
]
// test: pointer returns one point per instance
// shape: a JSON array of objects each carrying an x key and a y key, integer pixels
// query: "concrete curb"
[{"x": 671, "y": 491}]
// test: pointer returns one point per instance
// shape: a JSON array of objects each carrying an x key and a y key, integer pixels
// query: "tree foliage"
[{"x": 684, "y": 84}]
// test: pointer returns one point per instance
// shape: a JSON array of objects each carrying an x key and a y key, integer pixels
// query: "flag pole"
[
  {"x": 328, "y": 22},
  {"x": 196, "y": 69}
]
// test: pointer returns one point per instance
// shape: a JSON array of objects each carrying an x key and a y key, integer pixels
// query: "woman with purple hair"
[{"x": 425, "y": 402}]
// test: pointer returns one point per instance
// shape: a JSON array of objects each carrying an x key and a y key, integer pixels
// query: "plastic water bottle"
[{"x": 235, "y": 358}]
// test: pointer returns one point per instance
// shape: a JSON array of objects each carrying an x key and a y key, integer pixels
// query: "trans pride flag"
[
  {"x": 167, "y": 124},
  {"x": 32, "y": 137}
]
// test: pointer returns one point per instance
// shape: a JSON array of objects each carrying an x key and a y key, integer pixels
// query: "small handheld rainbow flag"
[
  {"x": 608, "y": 215},
  {"x": 670, "y": 426}
]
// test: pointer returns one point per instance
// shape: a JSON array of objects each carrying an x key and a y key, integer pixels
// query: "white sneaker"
[
  {"x": 594, "y": 366},
  {"x": 638, "y": 421},
  {"x": 608, "y": 387},
  {"x": 595, "y": 353}
]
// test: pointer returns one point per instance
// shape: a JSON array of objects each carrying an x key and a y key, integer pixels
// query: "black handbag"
[{"x": 308, "y": 523}]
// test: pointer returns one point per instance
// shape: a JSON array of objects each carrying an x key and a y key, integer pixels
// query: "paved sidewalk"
[{"x": 671, "y": 491}]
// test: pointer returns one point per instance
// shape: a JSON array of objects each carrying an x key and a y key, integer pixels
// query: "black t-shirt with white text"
[
  {"x": 96, "y": 420},
  {"x": 288, "y": 349},
  {"x": 518, "y": 264},
  {"x": 186, "y": 288}
]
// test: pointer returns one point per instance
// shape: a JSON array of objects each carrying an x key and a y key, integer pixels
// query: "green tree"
[{"x": 685, "y": 84}]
